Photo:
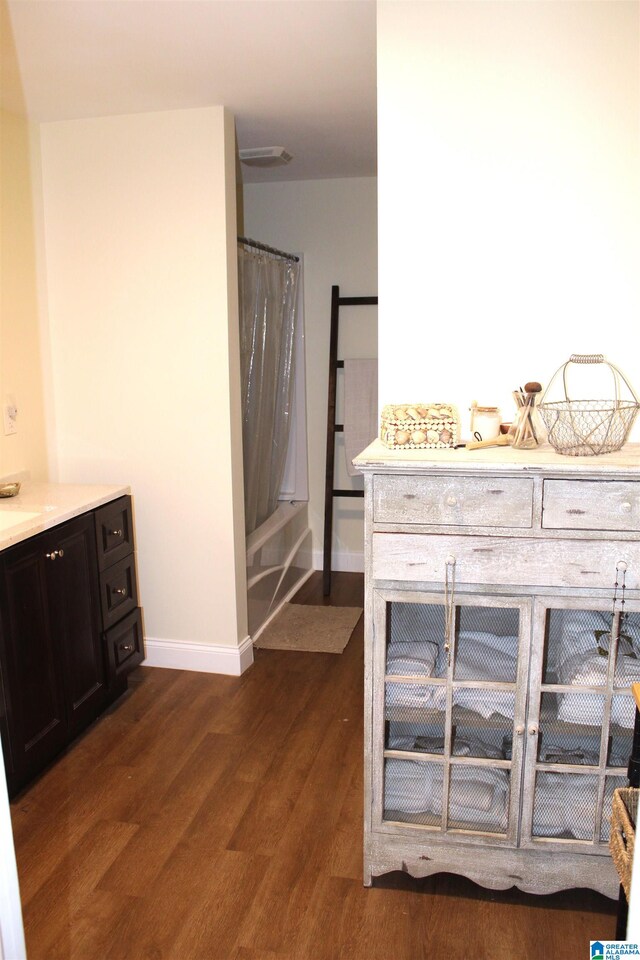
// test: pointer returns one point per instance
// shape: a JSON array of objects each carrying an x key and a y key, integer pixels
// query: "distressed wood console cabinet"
[{"x": 498, "y": 662}]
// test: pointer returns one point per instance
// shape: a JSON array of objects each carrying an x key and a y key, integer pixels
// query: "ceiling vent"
[{"x": 265, "y": 156}]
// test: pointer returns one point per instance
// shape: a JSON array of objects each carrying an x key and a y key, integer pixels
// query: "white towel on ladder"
[{"x": 360, "y": 408}]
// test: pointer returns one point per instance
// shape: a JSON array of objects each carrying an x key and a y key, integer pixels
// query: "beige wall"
[
  {"x": 20, "y": 366},
  {"x": 515, "y": 240},
  {"x": 333, "y": 224},
  {"x": 139, "y": 235}
]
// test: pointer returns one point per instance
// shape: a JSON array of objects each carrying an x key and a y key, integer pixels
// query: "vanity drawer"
[
  {"x": 455, "y": 501},
  {"x": 503, "y": 561},
  {"x": 114, "y": 531},
  {"x": 125, "y": 645},
  {"x": 118, "y": 591},
  {"x": 591, "y": 505}
]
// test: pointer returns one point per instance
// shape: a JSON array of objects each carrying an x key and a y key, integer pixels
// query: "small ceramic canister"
[{"x": 485, "y": 421}]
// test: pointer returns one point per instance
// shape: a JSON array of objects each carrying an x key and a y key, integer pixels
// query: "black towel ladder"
[{"x": 332, "y": 427}]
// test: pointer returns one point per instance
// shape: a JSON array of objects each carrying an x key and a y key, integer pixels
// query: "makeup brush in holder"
[{"x": 523, "y": 430}]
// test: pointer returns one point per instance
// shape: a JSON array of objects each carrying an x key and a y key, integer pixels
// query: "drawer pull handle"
[
  {"x": 121, "y": 591},
  {"x": 54, "y": 554},
  {"x": 127, "y": 648},
  {"x": 115, "y": 533},
  {"x": 451, "y": 500}
]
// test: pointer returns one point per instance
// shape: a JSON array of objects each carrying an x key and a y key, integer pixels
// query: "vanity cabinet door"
[
  {"x": 32, "y": 676},
  {"x": 53, "y": 660},
  {"x": 74, "y": 600}
]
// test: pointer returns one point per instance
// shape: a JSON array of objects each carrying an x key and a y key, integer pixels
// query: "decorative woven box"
[
  {"x": 624, "y": 816},
  {"x": 419, "y": 426}
]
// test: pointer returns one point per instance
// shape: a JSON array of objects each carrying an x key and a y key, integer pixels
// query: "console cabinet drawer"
[
  {"x": 114, "y": 531},
  {"x": 118, "y": 591},
  {"x": 125, "y": 647},
  {"x": 455, "y": 501},
  {"x": 502, "y": 561},
  {"x": 591, "y": 505}
]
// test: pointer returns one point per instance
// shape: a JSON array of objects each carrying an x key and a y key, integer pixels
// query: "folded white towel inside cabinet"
[{"x": 477, "y": 795}]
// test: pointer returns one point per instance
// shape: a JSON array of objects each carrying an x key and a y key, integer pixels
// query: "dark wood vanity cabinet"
[
  {"x": 60, "y": 616},
  {"x": 121, "y": 617}
]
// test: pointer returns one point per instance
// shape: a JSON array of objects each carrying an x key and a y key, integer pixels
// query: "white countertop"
[{"x": 40, "y": 506}]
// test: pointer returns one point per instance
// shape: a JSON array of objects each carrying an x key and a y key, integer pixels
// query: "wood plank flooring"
[{"x": 219, "y": 818}]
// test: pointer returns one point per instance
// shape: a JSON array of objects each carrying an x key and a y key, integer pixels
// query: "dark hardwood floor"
[{"x": 219, "y": 818}]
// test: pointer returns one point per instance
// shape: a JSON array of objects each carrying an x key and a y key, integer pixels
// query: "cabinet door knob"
[
  {"x": 115, "y": 533},
  {"x": 52, "y": 555},
  {"x": 121, "y": 591},
  {"x": 520, "y": 729},
  {"x": 127, "y": 647},
  {"x": 451, "y": 500},
  {"x": 533, "y": 729},
  {"x": 625, "y": 507},
  {"x": 61, "y": 553}
]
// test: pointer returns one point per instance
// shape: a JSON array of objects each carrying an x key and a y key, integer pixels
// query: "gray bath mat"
[{"x": 313, "y": 629}]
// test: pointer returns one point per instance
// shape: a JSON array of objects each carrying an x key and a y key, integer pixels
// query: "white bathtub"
[{"x": 278, "y": 562}]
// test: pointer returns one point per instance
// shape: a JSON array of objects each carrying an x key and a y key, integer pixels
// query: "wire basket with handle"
[{"x": 581, "y": 428}]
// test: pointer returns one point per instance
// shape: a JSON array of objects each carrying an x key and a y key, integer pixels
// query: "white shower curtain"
[{"x": 268, "y": 288}]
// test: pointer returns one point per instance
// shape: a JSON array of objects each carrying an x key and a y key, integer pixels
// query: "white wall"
[
  {"x": 509, "y": 194},
  {"x": 334, "y": 224},
  {"x": 20, "y": 367},
  {"x": 141, "y": 271}
]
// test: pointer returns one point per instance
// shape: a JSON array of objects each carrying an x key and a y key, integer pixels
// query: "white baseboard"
[
  {"x": 201, "y": 657},
  {"x": 343, "y": 560}
]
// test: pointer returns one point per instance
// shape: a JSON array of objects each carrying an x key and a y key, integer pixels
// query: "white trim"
[
  {"x": 341, "y": 560},
  {"x": 201, "y": 657}
]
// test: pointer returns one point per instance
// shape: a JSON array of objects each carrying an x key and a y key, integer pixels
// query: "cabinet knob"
[
  {"x": 625, "y": 507},
  {"x": 52, "y": 555},
  {"x": 533, "y": 729},
  {"x": 121, "y": 591},
  {"x": 127, "y": 647},
  {"x": 520, "y": 729},
  {"x": 451, "y": 500},
  {"x": 61, "y": 554},
  {"x": 115, "y": 533}
]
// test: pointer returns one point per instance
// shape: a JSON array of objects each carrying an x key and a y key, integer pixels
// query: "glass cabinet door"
[
  {"x": 447, "y": 712},
  {"x": 581, "y": 716}
]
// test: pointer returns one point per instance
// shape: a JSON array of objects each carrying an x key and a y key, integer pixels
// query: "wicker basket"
[
  {"x": 624, "y": 817},
  {"x": 581, "y": 428},
  {"x": 419, "y": 426}
]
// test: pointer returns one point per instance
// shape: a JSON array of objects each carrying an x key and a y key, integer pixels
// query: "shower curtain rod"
[{"x": 263, "y": 246}]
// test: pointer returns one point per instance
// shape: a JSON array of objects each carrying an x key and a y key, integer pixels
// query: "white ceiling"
[{"x": 300, "y": 74}]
